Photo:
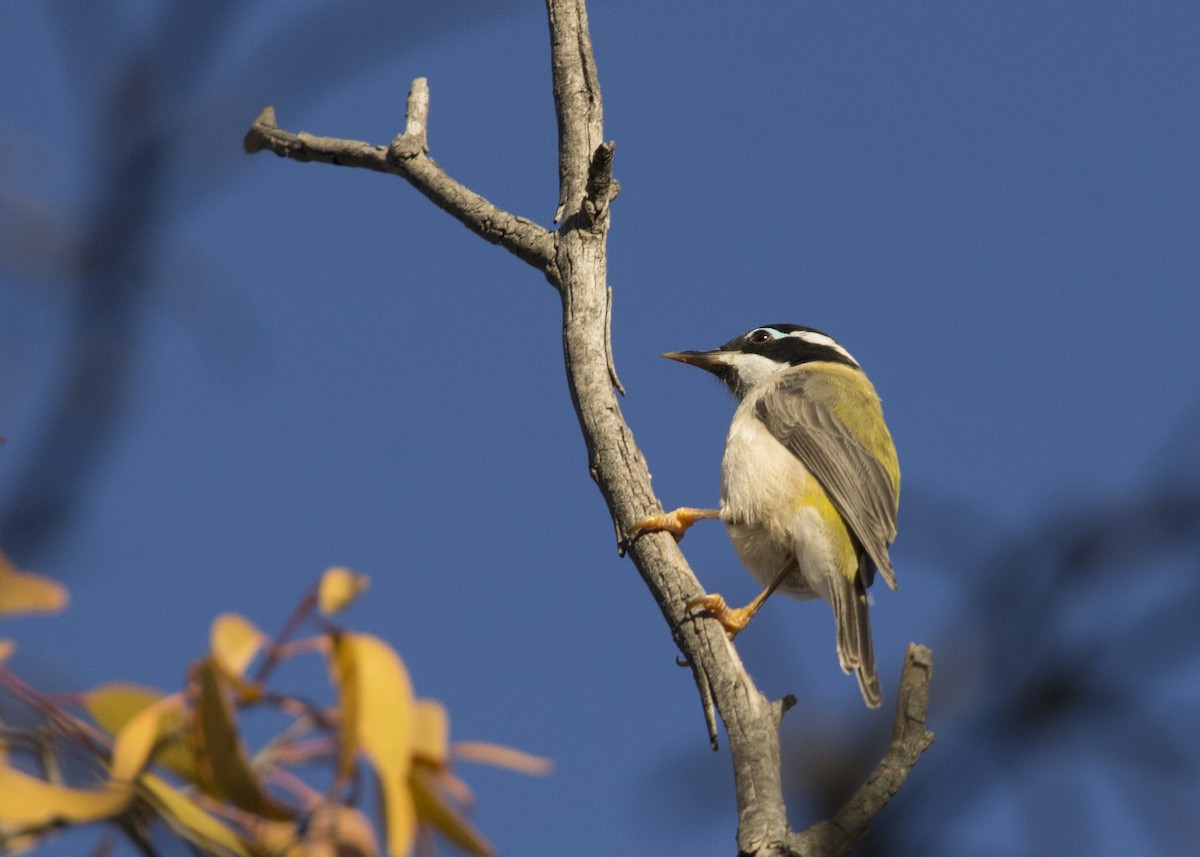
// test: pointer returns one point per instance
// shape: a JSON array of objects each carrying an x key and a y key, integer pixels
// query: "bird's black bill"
[{"x": 703, "y": 359}]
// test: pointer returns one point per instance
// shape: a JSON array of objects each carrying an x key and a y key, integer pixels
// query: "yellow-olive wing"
[{"x": 829, "y": 416}]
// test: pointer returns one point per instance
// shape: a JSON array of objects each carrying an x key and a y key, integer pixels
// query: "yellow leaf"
[
  {"x": 25, "y": 592},
  {"x": 376, "y": 703},
  {"x": 30, "y": 802},
  {"x": 234, "y": 641},
  {"x": 344, "y": 674},
  {"x": 399, "y": 814},
  {"x": 136, "y": 739},
  {"x": 431, "y": 732},
  {"x": 224, "y": 767},
  {"x": 189, "y": 820},
  {"x": 503, "y": 757},
  {"x": 434, "y": 810},
  {"x": 113, "y": 705},
  {"x": 338, "y": 589}
]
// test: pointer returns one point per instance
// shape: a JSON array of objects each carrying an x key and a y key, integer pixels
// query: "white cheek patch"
[
  {"x": 814, "y": 338},
  {"x": 752, "y": 368}
]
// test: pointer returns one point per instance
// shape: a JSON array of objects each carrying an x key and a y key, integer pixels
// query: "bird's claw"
[
  {"x": 732, "y": 619},
  {"x": 676, "y": 523},
  {"x": 662, "y": 523}
]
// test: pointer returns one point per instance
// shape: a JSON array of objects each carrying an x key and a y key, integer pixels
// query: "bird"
[{"x": 810, "y": 482}]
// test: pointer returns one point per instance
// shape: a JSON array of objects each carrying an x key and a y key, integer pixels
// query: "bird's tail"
[{"x": 856, "y": 653}]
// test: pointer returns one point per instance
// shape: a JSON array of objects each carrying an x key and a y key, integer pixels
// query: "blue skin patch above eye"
[{"x": 775, "y": 334}]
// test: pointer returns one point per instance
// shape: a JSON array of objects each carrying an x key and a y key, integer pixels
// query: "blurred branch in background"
[
  {"x": 131, "y": 93},
  {"x": 107, "y": 282},
  {"x": 178, "y": 73}
]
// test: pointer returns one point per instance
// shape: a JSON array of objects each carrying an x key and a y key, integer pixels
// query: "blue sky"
[{"x": 994, "y": 207}]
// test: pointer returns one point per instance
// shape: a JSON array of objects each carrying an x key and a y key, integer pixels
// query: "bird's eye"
[{"x": 761, "y": 337}]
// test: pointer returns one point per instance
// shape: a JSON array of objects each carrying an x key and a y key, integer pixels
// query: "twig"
[
  {"x": 910, "y": 738},
  {"x": 406, "y": 157}
]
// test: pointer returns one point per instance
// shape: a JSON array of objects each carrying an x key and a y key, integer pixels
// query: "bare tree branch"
[
  {"x": 577, "y": 103},
  {"x": 407, "y": 157},
  {"x": 910, "y": 738},
  {"x": 574, "y": 260}
]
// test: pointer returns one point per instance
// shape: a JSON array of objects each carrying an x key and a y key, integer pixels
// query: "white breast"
[{"x": 760, "y": 483}]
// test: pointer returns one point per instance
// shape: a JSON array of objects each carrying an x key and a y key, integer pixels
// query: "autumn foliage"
[{"x": 179, "y": 759}]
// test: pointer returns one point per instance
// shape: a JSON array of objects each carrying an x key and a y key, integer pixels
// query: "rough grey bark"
[{"x": 573, "y": 259}]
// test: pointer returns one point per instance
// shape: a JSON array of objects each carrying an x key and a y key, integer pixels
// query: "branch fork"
[{"x": 408, "y": 158}]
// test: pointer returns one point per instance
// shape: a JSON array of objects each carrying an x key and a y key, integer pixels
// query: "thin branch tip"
[
  {"x": 256, "y": 138},
  {"x": 910, "y": 739},
  {"x": 416, "y": 117},
  {"x": 912, "y": 704},
  {"x": 414, "y": 142},
  {"x": 418, "y": 96},
  {"x": 919, "y": 652}
]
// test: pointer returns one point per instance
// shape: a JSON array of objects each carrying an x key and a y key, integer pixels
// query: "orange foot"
[
  {"x": 676, "y": 523},
  {"x": 732, "y": 619}
]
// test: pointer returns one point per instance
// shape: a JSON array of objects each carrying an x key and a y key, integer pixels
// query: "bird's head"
[{"x": 747, "y": 360}]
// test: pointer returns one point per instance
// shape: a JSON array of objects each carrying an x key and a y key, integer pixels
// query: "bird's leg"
[
  {"x": 676, "y": 523},
  {"x": 735, "y": 619}
]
